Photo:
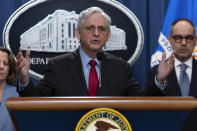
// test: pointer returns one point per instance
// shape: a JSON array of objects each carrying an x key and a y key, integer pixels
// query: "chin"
[{"x": 96, "y": 48}]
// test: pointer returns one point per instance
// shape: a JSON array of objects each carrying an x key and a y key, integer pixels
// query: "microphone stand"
[
  {"x": 100, "y": 74},
  {"x": 100, "y": 56}
]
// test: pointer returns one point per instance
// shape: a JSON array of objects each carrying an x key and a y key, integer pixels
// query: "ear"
[
  {"x": 108, "y": 35},
  {"x": 77, "y": 33},
  {"x": 170, "y": 38},
  {"x": 195, "y": 41}
]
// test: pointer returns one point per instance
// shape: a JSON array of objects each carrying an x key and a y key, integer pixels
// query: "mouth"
[
  {"x": 183, "y": 50},
  {"x": 96, "y": 41}
]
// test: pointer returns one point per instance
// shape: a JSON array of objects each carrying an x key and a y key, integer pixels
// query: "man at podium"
[{"x": 89, "y": 71}]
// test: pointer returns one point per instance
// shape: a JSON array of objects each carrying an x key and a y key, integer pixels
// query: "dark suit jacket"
[
  {"x": 64, "y": 77},
  {"x": 173, "y": 88}
]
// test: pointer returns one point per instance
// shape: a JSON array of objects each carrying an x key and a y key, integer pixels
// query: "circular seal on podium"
[{"x": 103, "y": 119}]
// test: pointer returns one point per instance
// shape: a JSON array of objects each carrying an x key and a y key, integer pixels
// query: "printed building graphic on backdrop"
[{"x": 56, "y": 33}]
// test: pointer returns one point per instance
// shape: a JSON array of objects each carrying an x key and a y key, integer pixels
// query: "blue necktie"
[{"x": 184, "y": 81}]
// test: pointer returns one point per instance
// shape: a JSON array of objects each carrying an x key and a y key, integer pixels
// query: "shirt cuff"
[
  {"x": 162, "y": 86},
  {"x": 22, "y": 86}
]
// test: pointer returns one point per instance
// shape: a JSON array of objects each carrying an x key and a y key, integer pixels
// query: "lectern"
[{"x": 64, "y": 113}]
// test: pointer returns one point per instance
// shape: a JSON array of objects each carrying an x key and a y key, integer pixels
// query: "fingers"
[
  {"x": 27, "y": 55},
  {"x": 21, "y": 61},
  {"x": 163, "y": 56},
  {"x": 171, "y": 58},
  {"x": 172, "y": 55},
  {"x": 20, "y": 54}
]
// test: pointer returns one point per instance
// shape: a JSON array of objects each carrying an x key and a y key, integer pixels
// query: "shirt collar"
[
  {"x": 85, "y": 58},
  {"x": 188, "y": 62}
]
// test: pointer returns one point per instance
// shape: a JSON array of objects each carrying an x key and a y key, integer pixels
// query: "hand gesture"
[
  {"x": 165, "y": 67},
  {"x": 23, "y": 65}
]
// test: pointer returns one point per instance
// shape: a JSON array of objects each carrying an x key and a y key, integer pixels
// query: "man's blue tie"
[{"x": 184, "y": 81}]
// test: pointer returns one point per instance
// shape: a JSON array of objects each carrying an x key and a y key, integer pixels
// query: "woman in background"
[{"x": 7, "y": 78}]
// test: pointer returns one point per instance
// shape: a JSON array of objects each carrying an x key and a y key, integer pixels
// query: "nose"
[
  {"x": 1, "y": 65},
  {"x": 96, "y": 31},
  {"x": 184, "y": 42}
]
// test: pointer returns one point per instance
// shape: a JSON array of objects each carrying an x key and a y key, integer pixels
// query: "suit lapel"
[
  {"x": 77, "y": 73},
  {"x": 193, "y": 86},
  {"x": 106, "y": 70},
  {"x": 173, "y": 88}
]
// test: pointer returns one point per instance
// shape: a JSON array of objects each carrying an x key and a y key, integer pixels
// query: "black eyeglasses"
[{"x": 179, "y": 38}]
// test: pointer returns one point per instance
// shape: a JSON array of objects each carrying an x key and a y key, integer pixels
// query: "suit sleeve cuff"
[
  {"x": 162, "y": 86},
  {"x": 22, "y": 86}
]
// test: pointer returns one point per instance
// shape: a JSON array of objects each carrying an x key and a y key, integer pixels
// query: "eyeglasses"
[
  {"x": 179, "y": 38},
  {"x": 92, "y": 29}
]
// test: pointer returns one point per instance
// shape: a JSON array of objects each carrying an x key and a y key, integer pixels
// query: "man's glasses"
[
  {"x": 92, "y": 29},
  {"x": 179, "y": 38}
]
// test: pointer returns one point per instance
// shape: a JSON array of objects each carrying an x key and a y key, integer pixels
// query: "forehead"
[
  {"x": 183, "y": 27},
  {"x": 3, "y": 56},
  {"x": 95, "y": 19}
]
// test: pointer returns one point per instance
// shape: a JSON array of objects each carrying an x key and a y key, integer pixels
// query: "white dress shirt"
[{"x": 177, "y": 67}]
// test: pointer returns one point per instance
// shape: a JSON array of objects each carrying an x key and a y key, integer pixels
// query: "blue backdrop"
[{"x": 150, "y": 13}]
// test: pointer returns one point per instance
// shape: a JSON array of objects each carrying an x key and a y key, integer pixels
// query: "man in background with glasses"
[{"x": 182, "y": 81}]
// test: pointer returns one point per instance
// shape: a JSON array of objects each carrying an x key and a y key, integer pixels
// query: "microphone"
[{"x": 100, "y": 56}]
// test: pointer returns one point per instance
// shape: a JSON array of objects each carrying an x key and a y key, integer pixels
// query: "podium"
[{"x": 63, "y": 113}]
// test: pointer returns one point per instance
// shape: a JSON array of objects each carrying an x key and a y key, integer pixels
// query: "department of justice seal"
[
  {"x": 47, "y": 29},
  {"x": 103, "y": 119}
]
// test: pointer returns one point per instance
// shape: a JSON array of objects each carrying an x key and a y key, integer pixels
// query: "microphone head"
[{"x": 99, "y": 55}]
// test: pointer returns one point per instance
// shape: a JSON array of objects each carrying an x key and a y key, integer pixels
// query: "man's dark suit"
[
  {"x": 173, "y": 88},
  {"x": 64, "y": 77}
]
